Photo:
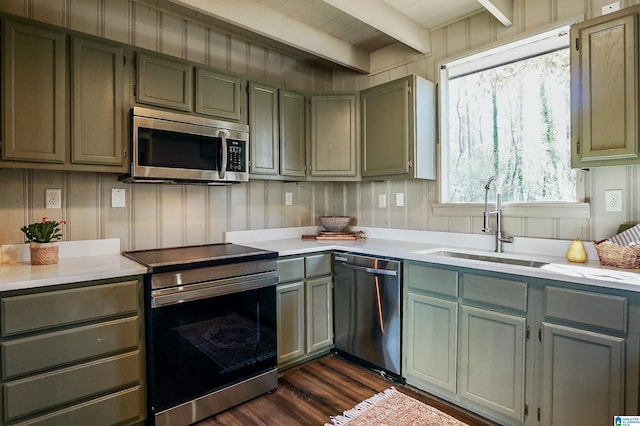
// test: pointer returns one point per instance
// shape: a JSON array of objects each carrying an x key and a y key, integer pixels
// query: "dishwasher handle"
[{"x": 367, "y": 269}]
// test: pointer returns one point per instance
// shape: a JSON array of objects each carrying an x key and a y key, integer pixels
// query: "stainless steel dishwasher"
[{"x": 367, "y": 300}]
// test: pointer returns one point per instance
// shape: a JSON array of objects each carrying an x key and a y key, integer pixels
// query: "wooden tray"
[{"x": 328, "y": 235}]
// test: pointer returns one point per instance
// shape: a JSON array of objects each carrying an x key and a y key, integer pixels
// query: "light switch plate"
[
  {"x": 611, "y": 7},
  {"x": 117, "y": 197},
  {"x": 288, "y": 198},
  {"x": 399, "y": 199},
  {"x": 382, "y": 200}
]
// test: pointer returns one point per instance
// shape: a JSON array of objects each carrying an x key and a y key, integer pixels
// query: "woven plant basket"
[
  {"x": 612, "y": 254},
  {"x": 44, "y": 253}
]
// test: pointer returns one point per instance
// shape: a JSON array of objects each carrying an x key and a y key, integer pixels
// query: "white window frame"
[{"x": 530, "y": 44}]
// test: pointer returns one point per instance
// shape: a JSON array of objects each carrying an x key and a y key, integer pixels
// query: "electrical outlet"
[
  {"x": 382, "y": 200},
  {"x": 52, "y": 198},
  {"x": 399, "y": 199},
  {"x": 613, "y": 200},
  {"x": 288, "y": 198}
]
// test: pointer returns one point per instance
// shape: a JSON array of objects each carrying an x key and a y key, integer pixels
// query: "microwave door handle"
[{"x": 223, "y": 163}]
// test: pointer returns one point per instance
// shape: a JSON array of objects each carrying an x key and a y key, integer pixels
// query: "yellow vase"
[{"x": 576, "y": 252}]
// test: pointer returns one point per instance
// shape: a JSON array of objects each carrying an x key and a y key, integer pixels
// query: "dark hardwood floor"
[{"x": 311, "y": 393}]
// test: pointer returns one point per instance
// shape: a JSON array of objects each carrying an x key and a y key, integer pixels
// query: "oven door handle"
[{"x": 181, "y": 294}]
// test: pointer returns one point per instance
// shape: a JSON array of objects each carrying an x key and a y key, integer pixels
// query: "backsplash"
[{"x": 173, "y": 215}]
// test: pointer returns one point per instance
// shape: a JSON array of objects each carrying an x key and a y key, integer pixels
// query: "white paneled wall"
[
  {"x": 465, "y": 36},
  {"x": 161, "y": 215},
  {"x": 157, "y": 216}
]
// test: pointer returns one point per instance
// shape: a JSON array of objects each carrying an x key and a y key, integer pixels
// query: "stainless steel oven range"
[{"x": 210, "y": 328}]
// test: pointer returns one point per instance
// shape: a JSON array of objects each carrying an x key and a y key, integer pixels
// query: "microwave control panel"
[{"x": 236, "y": 156}]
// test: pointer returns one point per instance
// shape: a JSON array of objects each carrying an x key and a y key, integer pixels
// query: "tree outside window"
[{"x": 512, "y": 121}]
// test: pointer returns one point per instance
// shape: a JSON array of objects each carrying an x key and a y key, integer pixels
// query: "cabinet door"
[
  {"x": 218, "y": 94},
  {"x": 164, "y": 82},
  {"x": 34, "y": 94},
  {"x": 292, "y": 133},
  {"x": 290, "y": 307},
  {"x": 97, "y": 103},
  {"x": 335, "y": 140},
  {"x": 582, "y": 376},
  {"x": 263, "y": 122},
  {"x": 319, "y": 314},
  {"x": 491, "y": 361},
  {"x": 385, "y": 129},
  {"x": 430, "y": 337},
  {"x": 604, "y": 92}
]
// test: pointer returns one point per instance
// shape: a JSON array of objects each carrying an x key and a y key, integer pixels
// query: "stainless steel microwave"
[{"x": 169, "y": 147}]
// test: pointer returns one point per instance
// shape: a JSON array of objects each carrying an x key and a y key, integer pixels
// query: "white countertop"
[
  {"x": 415, "y": 245},
  {"x": 79, "y": 261}
]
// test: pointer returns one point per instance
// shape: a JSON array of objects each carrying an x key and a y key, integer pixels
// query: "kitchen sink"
[{"x": 485, "y": 257}]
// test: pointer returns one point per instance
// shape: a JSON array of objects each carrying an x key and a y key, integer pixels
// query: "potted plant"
[{"x": 41, "y": 236}]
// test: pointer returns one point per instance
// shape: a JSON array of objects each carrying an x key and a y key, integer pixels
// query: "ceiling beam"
[
  {"x": 262, "y": 20},
  {"x": 389, "y": 20},
  {"x": 502, "y": 10}
]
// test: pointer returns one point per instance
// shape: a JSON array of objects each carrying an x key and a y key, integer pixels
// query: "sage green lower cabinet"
[
  {"x": 304, "y": 304},
  {"x": 521, "y": 350},
  {"x": 290, "y": 309},
  {"x": 73, "y": 354},
  {"x": 430, "y": 328},
  {"x": 590, "y": 355},
  {"x": 432, "y": 324},
  {"x": 491, "y": 361}
]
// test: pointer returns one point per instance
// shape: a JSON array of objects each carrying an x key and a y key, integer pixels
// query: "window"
[{"x": 506, "y": 112}]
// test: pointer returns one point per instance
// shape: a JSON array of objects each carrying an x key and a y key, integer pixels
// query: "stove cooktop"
[{"x": 197, "y": 256}]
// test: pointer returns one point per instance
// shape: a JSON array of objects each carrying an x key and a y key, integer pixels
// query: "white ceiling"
[{"x": 342, "y": 32}]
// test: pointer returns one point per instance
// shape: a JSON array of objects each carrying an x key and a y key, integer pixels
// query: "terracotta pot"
[{"x": 44, "y": 253}]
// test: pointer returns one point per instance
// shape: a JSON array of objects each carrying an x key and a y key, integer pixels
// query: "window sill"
[{"x": 546, "y": 210}]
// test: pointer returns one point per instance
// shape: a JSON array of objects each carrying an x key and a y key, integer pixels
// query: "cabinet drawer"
[
  {"x": 49, "y": 350},
  {"x": 118, "y": 408},
  {"x": 318, "y": 265},
  {"x": 435, "y": 280},
  {"x": 595, "y": 309},
  {"x": 55, "y": 308},
  {"x": 291, "y": 269},
  {"x": 65, "y": 386},
  {"x": 500, "y": 292}
]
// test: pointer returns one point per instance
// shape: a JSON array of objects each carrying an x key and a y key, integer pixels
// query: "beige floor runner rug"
[{"x": 393, "y": 408}]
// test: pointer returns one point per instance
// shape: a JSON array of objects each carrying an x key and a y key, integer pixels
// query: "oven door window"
[{"x": 200, "y": 346}]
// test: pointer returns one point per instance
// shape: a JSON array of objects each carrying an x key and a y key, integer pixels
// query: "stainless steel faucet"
[{"x": 500, "y": 239}]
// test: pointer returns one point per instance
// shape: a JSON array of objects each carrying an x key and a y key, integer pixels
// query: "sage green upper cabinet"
[
  {"x": 218, "y": 94},
  {"x": 34, "y": 94},
  {"x": 277, "y": 122},
  {"x": 604, "y": 90},
  {"x": 335, "y": 137},
  {"x": 164, "y": 82},
  {"x": 292, "y": 133},
  {"x": 97, "y": 103},
  {"x": 263, "y": 122},
  {"x": 398, "y": 130}
]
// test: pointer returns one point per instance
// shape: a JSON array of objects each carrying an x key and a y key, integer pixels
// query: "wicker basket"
[
  {"x": 44, "y": 253},
  {"x": 612, "y": 254}
]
